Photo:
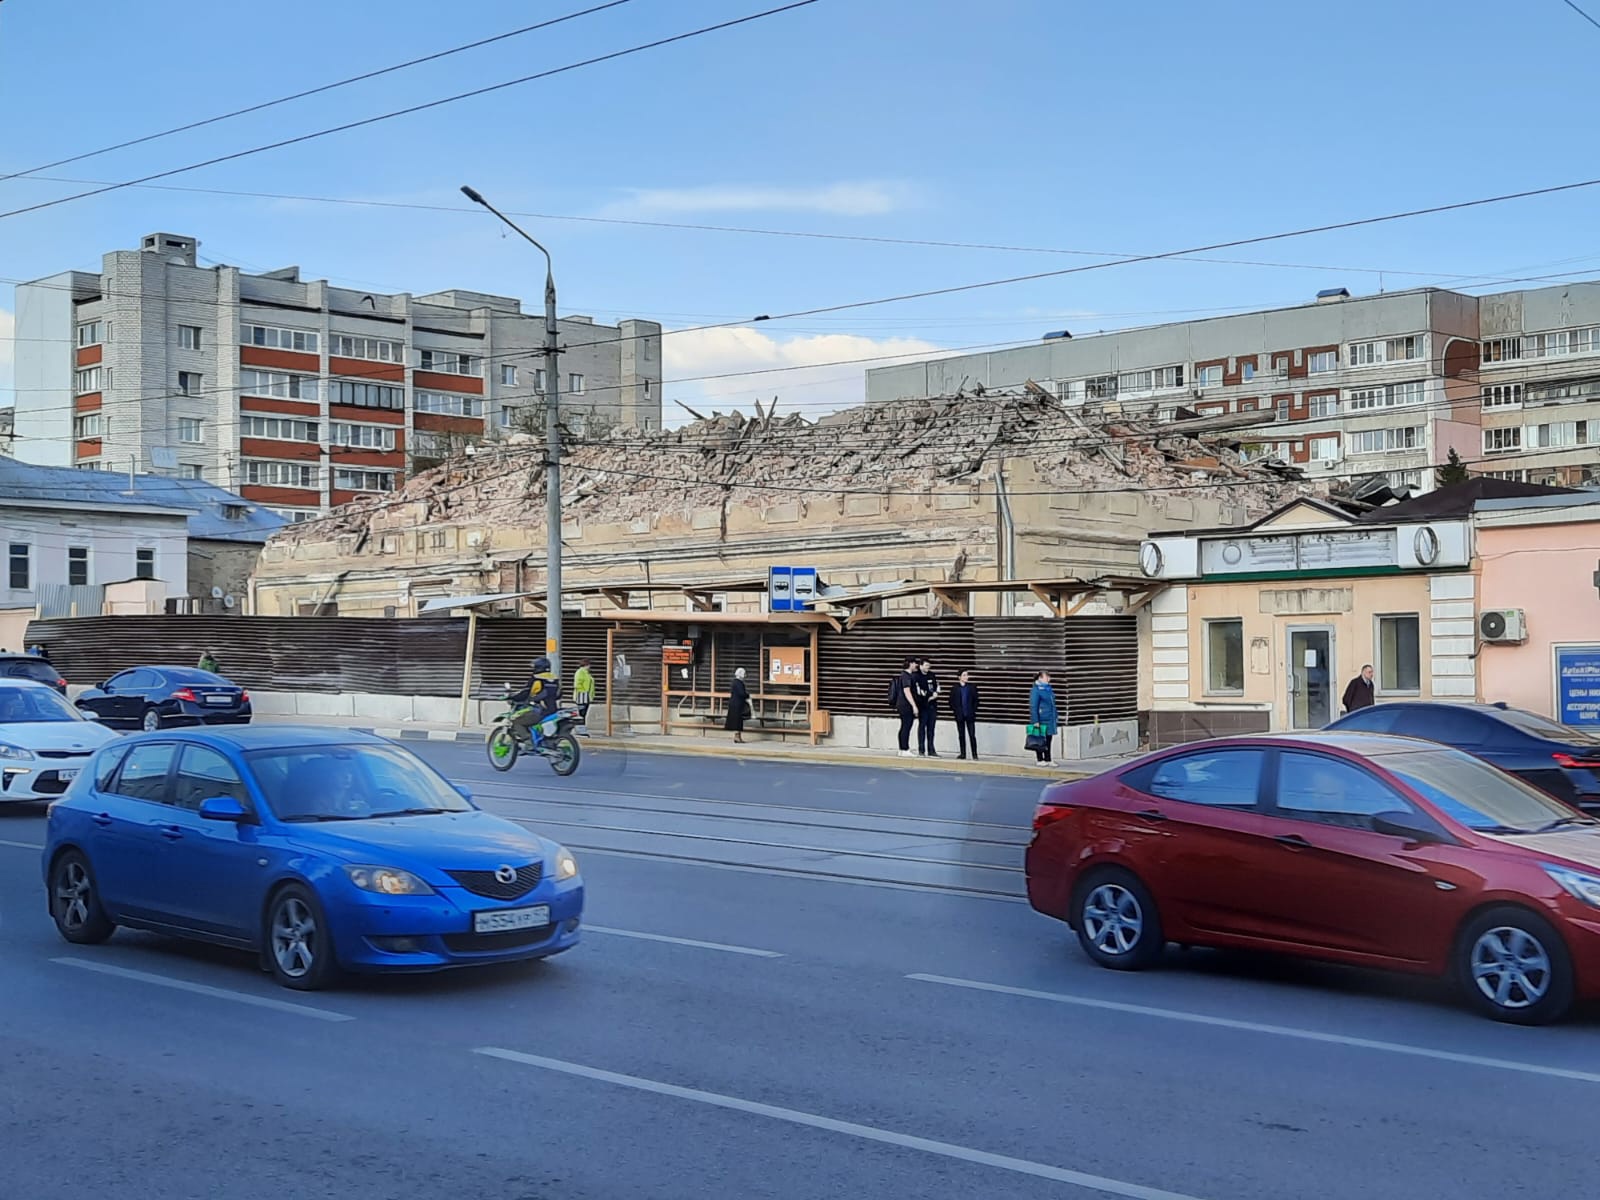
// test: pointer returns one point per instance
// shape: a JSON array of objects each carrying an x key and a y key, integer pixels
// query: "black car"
[
  {"x": 1561, "y": 761},
  {"x": 31, "y": 666},
  {"x": 154, "y": 697}
]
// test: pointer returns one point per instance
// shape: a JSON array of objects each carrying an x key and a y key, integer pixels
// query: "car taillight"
[
  {"x": 244, "y": 697},
  {"x": 61, "y": 683},
  {"x": 1049, "y": 814},
  {"x": 184, "y": 694},
  {"x": 1567, "y": 760}
]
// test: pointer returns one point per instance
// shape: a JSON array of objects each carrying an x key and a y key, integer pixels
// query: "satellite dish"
[
  {"x": 228, "y": 602},
  {"x": 216, "y": 593}
]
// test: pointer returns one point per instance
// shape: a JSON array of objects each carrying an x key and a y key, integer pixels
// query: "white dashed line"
[
  {"x": 201, "y": 989},
  {"x": 20, "y": 845},
  {"x": 678, "y": 941}
]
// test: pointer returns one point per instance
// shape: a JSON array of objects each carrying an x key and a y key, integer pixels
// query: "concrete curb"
[{"x": 423, "y": 735}]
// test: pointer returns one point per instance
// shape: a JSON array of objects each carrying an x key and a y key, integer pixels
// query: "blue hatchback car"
[{"x": 323, "y": 850}]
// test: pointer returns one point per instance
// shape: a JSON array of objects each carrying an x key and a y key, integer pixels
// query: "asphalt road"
[{"x": 799, "y": 981}]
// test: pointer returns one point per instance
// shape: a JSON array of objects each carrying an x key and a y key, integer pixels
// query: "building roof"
[
  {"x": 213, "y": 513},
  {"x": 1458, "y": 500}
]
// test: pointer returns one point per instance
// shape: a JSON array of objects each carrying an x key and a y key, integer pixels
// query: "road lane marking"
[
  {"x": 678, "y": 941},
  {"x": 1020, "y": 1166},
  {"x": 21, "y": 845},
  {"x": 201, "y": 989},
  {"x": 1286, "y": 1031}
]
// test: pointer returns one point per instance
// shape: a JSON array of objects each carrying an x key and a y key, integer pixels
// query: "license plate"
[
  {"x": 219, "y": 699},
  {"x": 67, "y": 773},
  {"x": 511, "y": 918}
]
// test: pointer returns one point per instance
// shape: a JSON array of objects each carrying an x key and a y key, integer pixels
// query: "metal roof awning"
[
  {"x": 1064, "y": 597},
  {"x": 451, "y": 603},
  {"x": 641, "y": 616}
]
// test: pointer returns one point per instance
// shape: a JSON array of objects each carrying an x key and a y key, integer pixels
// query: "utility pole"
[{"x": 552, "y": 434}]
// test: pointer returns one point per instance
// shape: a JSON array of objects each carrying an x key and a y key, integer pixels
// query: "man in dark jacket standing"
[
  {"x": 964, "y": 708},
  {"x": 1359, "y": 692},
  {"x": 927, "y": 709}
]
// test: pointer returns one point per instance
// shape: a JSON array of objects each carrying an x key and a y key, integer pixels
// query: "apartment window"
[
  {"x": 575, "y": 385},
  {"x": 189, "y": 383},
  {"x": 1518, "y": 476},
  {"x": 1322, "y": 404},
  {"x": 90, "y": 379},
  {"x": 93, "y": 333},
  {"x": 449, "y": 404},
  {"x": 371, "y": 349},
  {"x": 647, "y": 392},
  {"x": 1323, "y": 449},
  {"x": 278, "y": 429},
  {"x": 1404, "y": 479},
  {"x": 1401, "y": 349},
  {"x": 1130, "y": 382},
  {"x": 19, "y": 562},
  {"x": 508, "y": 374},
  {"x": 367, "y": 395},
  {"x": 1503, "y": 395},
  {"x": 295, "y": 516},
  {"x": 1399, "y": 654},
  {"x": 1391, "y": 395},
  {"x": 275, "y": 338},
  {"x": 1224, "y": 646},
  {"x": 1247, "y": 371},
  {"x": 144, "y": 562},
  {"x": 354, "y": 479},
  {"x": 189, "y": 337},
  {"x": 89, "y": 425},
  {"x": 1502, "y": 441},
  {"x": 1280, "y": 366},
  {"x": 78, "y": 566},
  {"x": 1559, "y": 433},
  {"x": 1387, "y": 441},
  {"x": 1562, "y": 341},
  {"x": 1283, "y": 408},
  {"x": 1365, "y": 354},
  {"x": 649, "y": 424},
  {"x": 1323, "y": 362},
  {"x": 189, "y": 431},
  {"x": 278, "y": 384},
  {"x": 448, "y": 362},
  {"x": 1506, "y": 349},
  {"x": 1404, "y": 349},
  {"x": 366, "y": 437},
  {"x": 1101, "y": 387},
  {"x": 539, "y": 378},
  {"x": 268, "y": 472},
  {"x": 191, "y": 471},
  {"x": 1208, "y": 376}
]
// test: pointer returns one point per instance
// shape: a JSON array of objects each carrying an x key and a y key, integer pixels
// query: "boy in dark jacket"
[{"x": 964, "y": 708}]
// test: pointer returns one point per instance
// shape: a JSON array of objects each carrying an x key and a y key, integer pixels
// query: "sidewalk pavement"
[{"x": 766, "y": 751}]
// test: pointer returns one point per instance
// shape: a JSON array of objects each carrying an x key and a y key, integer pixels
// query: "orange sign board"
[
  {"x": 786, "y": 664},
  {"x": 677, "y": 656}
]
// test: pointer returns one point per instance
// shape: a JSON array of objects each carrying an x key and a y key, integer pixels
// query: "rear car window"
[
  {"x": 26, "y": 668},
  {"x": 1228, "y": 778},
  {"x": 144, "y": 774},
  {"x": 1532, "y": 723},
  {"x": 109, "y": 762}
]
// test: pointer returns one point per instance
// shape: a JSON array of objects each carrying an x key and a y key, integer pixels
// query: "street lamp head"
[{"x": 471, "y": 194}]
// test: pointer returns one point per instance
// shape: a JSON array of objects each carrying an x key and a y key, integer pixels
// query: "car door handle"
[
  {"x": 171, "y": 832},
  {"x": 1153, "y": 815},
  {"x": 1292, "y": 840},
  {"x": 101, "y": 819}
]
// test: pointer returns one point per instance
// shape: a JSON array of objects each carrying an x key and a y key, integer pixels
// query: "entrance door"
[{"x": 1311, "y": 676}]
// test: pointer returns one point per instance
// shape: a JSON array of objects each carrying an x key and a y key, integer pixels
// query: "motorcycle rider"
[{"x": 537, "y": 701}]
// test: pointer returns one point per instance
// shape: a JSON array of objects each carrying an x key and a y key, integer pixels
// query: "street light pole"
[{"x": 552, "y": 434}]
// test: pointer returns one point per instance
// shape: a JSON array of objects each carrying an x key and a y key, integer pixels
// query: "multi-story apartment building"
[
  {"x": 1386, "y": 384},
  {"x": 294, "y": 393}
]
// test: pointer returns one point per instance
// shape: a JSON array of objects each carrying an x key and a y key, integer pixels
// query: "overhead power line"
[
  {"x": 416, "y": 108},
  {"x": 316, "y": 91},
  {"x": 1570, "y": 4}
]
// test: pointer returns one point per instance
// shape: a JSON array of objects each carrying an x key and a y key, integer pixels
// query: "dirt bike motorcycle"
[{"x": 553, "y": 739}]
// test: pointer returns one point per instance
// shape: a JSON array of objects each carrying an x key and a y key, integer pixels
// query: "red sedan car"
[{"x": 1375, "y": 851}]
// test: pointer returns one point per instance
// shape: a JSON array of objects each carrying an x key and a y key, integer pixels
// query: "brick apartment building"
[
  {"x": 1384, "y": 384},
  {"x": 296, "y": 394}
]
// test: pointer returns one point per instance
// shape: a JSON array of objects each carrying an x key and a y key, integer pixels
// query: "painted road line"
[
  {"x": 1285, "y": 1031},
  {"x": 678, "y": 941},
  {"x": 888, "y": 1137},
  {"x": 21, "y": 845},
  {"x": 201, "y": 989}
]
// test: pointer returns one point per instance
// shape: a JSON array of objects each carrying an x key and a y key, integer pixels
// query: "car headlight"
[
  {"x": 7, "y": 750},
  {"x": 387, "y": 881},
  {"x": 1584, "y": 887},
  {"x": 566, "y": 865}
]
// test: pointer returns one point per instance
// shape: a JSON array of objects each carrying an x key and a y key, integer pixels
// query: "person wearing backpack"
[{"x": 903, "y": 697}]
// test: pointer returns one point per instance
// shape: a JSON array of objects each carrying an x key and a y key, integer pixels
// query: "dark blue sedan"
[
  {"x": 152, "y": 698},
  {"x": 1560, "y": 761},
  {"x": 322, "y": 850}
]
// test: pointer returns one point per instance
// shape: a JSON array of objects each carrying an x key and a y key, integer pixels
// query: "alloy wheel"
[
  {"x": 1510, "y": 967},
  {"x": 73, "y": 889},
  {"x": 152, "y": 721},
  {"x": 1112, "y": 919},
  {"x": 294, "y": 935}
]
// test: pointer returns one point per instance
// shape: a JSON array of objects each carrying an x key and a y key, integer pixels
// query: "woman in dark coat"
[{"x": 738, "y": 706}]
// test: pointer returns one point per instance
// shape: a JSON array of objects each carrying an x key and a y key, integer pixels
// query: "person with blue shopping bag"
[{"x": 1042, "y": 720}]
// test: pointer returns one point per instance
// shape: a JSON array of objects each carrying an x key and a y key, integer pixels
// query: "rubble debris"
[{"x": 906, "y": 447}]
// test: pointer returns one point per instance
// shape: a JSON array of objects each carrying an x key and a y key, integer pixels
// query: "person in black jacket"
[
  {"x": 738, "y": 706},
  {"x": 905, "y": 704},
  {"x": 964, "y": 708},
  {"x": 928, "y": 692},
  {"x": 1359, "y": 693}
]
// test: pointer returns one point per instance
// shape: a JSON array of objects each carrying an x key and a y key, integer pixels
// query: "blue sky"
[{"x": 1066, "y": 125}]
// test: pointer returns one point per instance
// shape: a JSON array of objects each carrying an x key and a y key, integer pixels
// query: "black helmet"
[{"x": 541, "y": 665}]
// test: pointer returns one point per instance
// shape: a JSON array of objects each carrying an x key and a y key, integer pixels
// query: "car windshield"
[
  {"x": 350, "y": 783},
  {"x": 19, "y": 706},
  {"x": 1527, "y": 722},
  {"x": 1479, "y": 796}
]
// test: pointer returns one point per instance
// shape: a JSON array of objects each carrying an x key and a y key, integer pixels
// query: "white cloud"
[
  {"x": 864, "y": 198},
  {"x": 810, "y": 375}
]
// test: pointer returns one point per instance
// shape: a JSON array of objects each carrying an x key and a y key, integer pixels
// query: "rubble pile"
[{"x": 908, "y": 447}]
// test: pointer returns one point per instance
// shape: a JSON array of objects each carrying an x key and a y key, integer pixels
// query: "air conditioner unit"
[{"x": 1502, "y": 625}]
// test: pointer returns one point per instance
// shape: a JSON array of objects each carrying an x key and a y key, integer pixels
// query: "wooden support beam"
[
  {"x": 700, "y": 601},
  {"x": 1048, "y": 597},
  {"x": 956, "y": 604},
  {"x": 1078, "y": 605},
  {"x": 618, "y": 598},
  {"x": 1137, "y": 600}
]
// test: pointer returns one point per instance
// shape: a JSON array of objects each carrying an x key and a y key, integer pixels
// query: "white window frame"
[
  {"x": 143, "y": 555},
  {"x": 274, "y": 428},
  {"x": 194, "y": 425},
  {"x": 280, "y": 385},
  {"x": 13, "y": 544},
  {"x": 189, "y": 337},
  {"x": 1503, "y": 440},
  {"x": 190, "y": 383},
  {"x": 1395, "y": 439},
  {"x": 1323, "y": 449},
  {"x": 371, "y": 349},
  {"x": 450, "y": 404},
  {"x": 271, "y": 472},
  {"x": 86, "y": 426},
  {"x": 191, "y": 471},
  {"x": 1205, "y": 657},
  {"x": 449, "y": 362},
  {"x": 94, "y": 333},
  {"x": 1208, "y": 376},
  {"x": 353, "y": 393},
  {"x": 1571, "y": 434},
  {"x": 360, "y": 435},
  {"x": 275, "y": 337},
  {"x": 575, "y": 384},
  {"x": 1323, "y": 362},
  {"x": 1378, "y": 657},
  {"x": 1322, "y": 405},
  {"x": 88, "y": 565},
  {"x": 86, "y": 380},
  {"x": 1500, "y": 350},
  {"x": 508, "y": 374},
  {"x": 363, "y": 479},
  {"x": 1502, "y": 395}
]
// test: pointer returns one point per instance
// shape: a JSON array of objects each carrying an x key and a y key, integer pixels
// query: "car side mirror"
[
  {"x": 1410, "y": 826},
  {"x": 103, "y": 687},
  {"x": 224, "y": 808},
  {"x": 88, "y": 714}
]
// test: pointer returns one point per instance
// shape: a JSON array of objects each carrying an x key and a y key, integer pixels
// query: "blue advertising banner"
[{"x": 1578, "y": 685}]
